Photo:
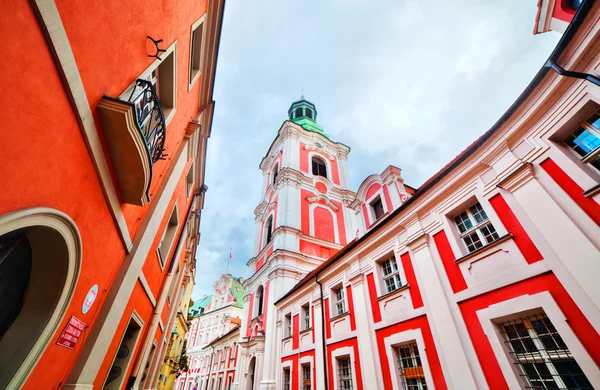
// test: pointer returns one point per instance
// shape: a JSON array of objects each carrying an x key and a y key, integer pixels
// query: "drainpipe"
[
  {"x": 323, "y": 345},
  {"x": 162, "y": 297}
]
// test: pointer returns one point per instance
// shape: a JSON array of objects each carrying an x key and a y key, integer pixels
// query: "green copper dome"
[{"x": 304, "y": 113}]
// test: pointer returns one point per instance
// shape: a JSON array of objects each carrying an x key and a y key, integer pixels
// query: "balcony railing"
[
  {"x": 135, "y": 131},
  {"x": 149, "y": 117}
]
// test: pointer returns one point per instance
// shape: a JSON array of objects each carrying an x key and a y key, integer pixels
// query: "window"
[
  {"x": 344, "y": 373},
  {"x": 162, "y": 77},
  {"x": 269, "y": 229},
  {"x": 340, "y": 301},
  {"x": 309, "y": 113},
  {"x": 219, "y": 384},
  {"x": 391, "y": 276},
  {"x": 275, "y": 173},
  {"x": 259, "y": 300},
  {"x": 306, "y": 316},
  {"x": 318, "y": 167},
  {"x": 585, "y": 141},
  {"x": 196, "y": 50},
  {"x": 299, "y": 112},
  {"x": 166, "y": 242},
  {"x": 410, "y": 367},
  {"x": 306, "y": 377},
  {"x": 377, "y": 207},
  {"x": 288, "y": 325},
  {"x": 287, "y": 379},
  {"x": 541, "y": 354},
  {"x": 475, "y": 228},
  {"x": 189, "y": 181}
]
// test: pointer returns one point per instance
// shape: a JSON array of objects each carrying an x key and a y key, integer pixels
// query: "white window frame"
[
  {"x": 395, "y": 274},
  {"x": 287, "y": 365},
  {"x": 370, "y": 211},
  {"x": 476, "y": 227},
  {"x": 265, "y": 232},
  {"x": 189, "y": 182},
  {"x": 287, "y": 323},
  {"x": 336, "y": 300},
  {"x": 304, "y": 362},
  {"x": 595, "y": 153},
  {"x": 398, "y": 339},
  {"x": 194, "y": 73},
  {"x": 305, "y": 316},
  {"x": 163, "y": 255},
  {"x": 347, "y": 352},
  {"x": 492, "y": 316},
  {"x": 327, "y": 161}
]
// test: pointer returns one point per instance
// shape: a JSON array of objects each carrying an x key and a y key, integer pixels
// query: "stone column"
[{"x": 451, "y": 352}]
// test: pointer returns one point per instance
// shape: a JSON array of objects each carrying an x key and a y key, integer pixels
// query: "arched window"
[
  {"x": 309, "y": 113},
  {"x": 269, "y": 229},
  {"x": 259, "y": 300},
  {"x": 275, "y": 173},
  {"x": 318, "y": 167},
  {"x": 298, "y": 112}
]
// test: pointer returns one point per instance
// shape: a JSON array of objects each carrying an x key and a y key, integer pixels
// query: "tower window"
[
  {"x": 377, "y": 206},
  {"x": 318, "y": 167},
  {"x": 298, "y": 112},
  {"x": 275, "y": 173},
  {"x": 259, "y": 300},
  {"x": 309, "y": 113},
  {"x": 269, "y": 229}
]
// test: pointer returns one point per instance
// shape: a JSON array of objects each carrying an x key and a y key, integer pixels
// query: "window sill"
[
  {"x": 500, "y": 240},
  {"x": 592, "y": 191},
  {"x": 287, "y": 338},
  {"x": 339, "y": 316},
  {"x": 305, "y": 330},
  {"x": 387, "y": 295}
]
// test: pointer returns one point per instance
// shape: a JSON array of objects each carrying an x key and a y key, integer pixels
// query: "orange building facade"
[{"x": 109, "y": 108}]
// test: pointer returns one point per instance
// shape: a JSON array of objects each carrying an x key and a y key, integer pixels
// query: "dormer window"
[
  {"x": 309, "y": 113},
  {"x": 377, "y": 207},
  {"x": 318, "y": 167},
  {"x": 298, "y": 112}
]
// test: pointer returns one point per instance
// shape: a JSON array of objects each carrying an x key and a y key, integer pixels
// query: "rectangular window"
[
  {"x": 411, "y": 372},
  {"x": 162, "y": 78},
  {"x": 475, "y": 228},
  {"x": 344, "y": 373},
  {"x": 306, "y": 315},
  {"x": 340, "y": 300},
  {"x": 306, "y": 377},
  {"x": 585, "y": 141},
  {"x": 377, "y": 207},
  {"x": 166, "y": 242},
  {"x": 189, "y": 181},
  {"x": 541, "y": 354},
  {"x": 287, "y": 379},
  {"x": 391, "y": 275},
  {"x": 288, "y": 325},
  {"x": 196, "y": 50}
]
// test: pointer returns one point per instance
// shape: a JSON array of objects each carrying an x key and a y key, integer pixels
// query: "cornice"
[
  {"x": 324, "y": 198},
  {"x": 419, "y": 242},
  {"x": 518, "y": 178}
]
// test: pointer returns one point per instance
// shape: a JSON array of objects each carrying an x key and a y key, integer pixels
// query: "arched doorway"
[
  {"x": 251, "y": 371},
  {"x": 40, "y": 256}
]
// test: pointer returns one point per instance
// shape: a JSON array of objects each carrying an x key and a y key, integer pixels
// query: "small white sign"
[{"x": 89, "y": 299}]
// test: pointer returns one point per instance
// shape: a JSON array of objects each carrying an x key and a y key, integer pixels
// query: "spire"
[{"x": 304, "y": 113}]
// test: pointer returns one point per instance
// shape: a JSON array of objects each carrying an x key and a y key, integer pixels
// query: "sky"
[{"x": 402, "y": 83}]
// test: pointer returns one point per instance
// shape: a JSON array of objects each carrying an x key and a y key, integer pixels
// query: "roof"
[
  {"x": 201, "y": 304},
  {"x": 461, "y": 157},
  {"x": 238, "y": 292}
]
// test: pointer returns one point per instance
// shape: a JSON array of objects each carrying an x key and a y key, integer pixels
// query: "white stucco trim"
[
  {"x": 303, "y": 361},
  {"x": 311, "y": 218},
  {"x": 371, "y": 214},
  {"x": 405, "y": 337},
  {"x": 342, "y": 352},
  {"x": 503, "y": 311}
]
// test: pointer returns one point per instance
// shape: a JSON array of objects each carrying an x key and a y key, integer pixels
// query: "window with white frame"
[
  {"x": 585, "y": 141},
  {"x": 196, "y": 50},
  {"x": 306, "y": 377},
  {"x": 410, "y": 367},
  {"x": 339, "y": 300},
  {"x": 319, "y": 168},
  {"x": 189, "y": 181},
  {"x": 344, "y": 373},
  {"x": 305, "y": 310},
  {"x": 288, "y": 325},
  {"x": 168, "y": 238},
  {"x": 275, "y": 173},
  {"x": 391, "y": 275},
  {"x": 162, "y": 77},
  {"x": 269, "y": 230},
  {"x": 542, "y": 356},
  {"x": 475, "y": 228},
  {"x": 287, "y": 379},
  {"x": 377, "y": 207}
]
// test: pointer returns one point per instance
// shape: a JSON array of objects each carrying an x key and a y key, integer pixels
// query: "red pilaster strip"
[
  {"x": 326, "y": 319},
  {"x": 373, "y": 298},
  {"x": 312, "y": 322},
  {"x": 296, "y": 332},
  {"x": 457, "y": 280},
  {"x": 250, "y": 310},
  {"x": 351, "y": 307},
  {"x": 411, "y": 279},
  {"x": 514, "y": 227},
  {"x": 588, "y": 205}
]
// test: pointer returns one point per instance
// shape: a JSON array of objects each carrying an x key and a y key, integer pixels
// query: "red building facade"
[
  {"x": 484, "y": 277},
  {"x": 109, "y": 107}
]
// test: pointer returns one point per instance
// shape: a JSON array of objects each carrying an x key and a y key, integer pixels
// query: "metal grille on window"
[
  {"x": 541, "y": 354},
  {"x": 410, "y": 366},
  {"x": 475, "y": 228},
  {"x": 391, "y": 276},
  {"x": 585, "y": 141},
  {"x": 340, "y": 303},
  {"x": 344, "y": 373},
  {"x": 286, "y": 379},
  {"x": 306, "y": 380}
]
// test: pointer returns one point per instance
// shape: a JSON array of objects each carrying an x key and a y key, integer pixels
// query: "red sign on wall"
[{"x": 71, "y": 333}]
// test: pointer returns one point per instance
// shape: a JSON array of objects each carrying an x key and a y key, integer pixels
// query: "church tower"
[{"x": 303, "y": 218}]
